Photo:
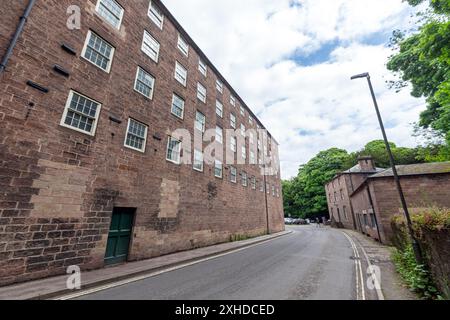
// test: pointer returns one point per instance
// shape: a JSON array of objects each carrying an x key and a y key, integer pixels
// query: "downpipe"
[{"x": 23, "y": 21}]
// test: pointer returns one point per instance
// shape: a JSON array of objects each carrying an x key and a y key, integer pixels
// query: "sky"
[{"x": 291, "y": 62}]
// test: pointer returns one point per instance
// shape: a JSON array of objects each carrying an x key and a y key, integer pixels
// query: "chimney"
[{"x": 367, "y": 164}]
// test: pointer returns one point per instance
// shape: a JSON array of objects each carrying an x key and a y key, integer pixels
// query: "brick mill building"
[
  {"x": 374, "y": 200},
  {"x": 90, "y": 170}
]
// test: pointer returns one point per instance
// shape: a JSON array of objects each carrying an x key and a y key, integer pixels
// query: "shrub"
[{"x": 417, "y": 277}]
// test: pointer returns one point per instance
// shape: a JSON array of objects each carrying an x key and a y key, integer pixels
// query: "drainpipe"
[{"x": 23, "y": 20}]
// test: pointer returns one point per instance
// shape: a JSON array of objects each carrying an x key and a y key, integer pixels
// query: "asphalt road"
[{"x": 311, "y": 263}]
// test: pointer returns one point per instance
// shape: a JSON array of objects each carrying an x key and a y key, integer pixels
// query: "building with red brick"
[
  {"x": 365, "y": 198},
  {"x": 99, "y": 101},
  {"x": 376, "y": 201},
  {"x": 342, "y": 186}
]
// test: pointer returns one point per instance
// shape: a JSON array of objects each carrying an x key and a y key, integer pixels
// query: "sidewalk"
[
  {"x": 56, "y": 286},
  {"x": 380, "y": 255}
]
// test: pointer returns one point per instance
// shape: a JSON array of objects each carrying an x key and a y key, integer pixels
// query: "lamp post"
[{"x": 415, "y": 244}]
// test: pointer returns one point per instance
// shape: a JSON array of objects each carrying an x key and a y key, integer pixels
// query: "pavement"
[{"x": 56, "y": 286}]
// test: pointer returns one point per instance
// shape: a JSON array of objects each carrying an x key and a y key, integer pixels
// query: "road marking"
[
  {"x": 156, "y": 273},
  {"x": 358, "y": 270},
  {"x": 380, "y": 294}
]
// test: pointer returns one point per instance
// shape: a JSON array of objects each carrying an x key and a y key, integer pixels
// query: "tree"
[
  {"x": 424, "y": 61},
  {"x": 304, "y": 196}
]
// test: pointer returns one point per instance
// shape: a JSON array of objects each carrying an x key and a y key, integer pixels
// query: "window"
[
  {"x": 180, "y": 74},
  {"x": 261, "y": 187},
  {"x": 183, "y": 46},
  {"x": 198, "y": 160},
  {"x": 233, "y": 121},
  {"x": 345, "y": 213},
  {"x": 202, "y": 67},
  {"x": 200, "y": 121},
  {"x": 233, "y": 101},
  {"x": 251, "y": 138},
  {"x": 111, "y": 11},
  {"x": 273, "y": 191},
  {"x": 243, "y": 129},
  {"x": 155, "y": 14},
  {"x": 218, "y": 169},
  {"x": 252, "y": 158},
  {"x": 177, "y": 106},
  {"x": 201, "y": 92},
  {"x": 250, "y": 120},
  {"x": 268, "y": 188},
  {"x": 253, "y": 183},
  {"x": 150, "y": 46},
  {"x": 144, "y": 83},
  {"x": 219, "y": 108},
  {"x": 342, "y": 194},
  {"x": 219, "y": 86},
  {"x": 219, "y": 134},
  {"x": 81, "y": 113},
  {"x": 174, "y": 150},
  {"x": 244, "y": 153},
  {"x": 278, "y": 193},
  {"x": 136, "y": 135},
  {"x": 98, "y": 51},
  {"x": 242, "y": 111},
  {"x": 244, "y": 179},
  {"x": 373, "y": 221},
  {"x": 233, "y": 144}
]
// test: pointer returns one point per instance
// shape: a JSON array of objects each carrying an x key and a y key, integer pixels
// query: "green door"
[{"x": 119, "y": 235}]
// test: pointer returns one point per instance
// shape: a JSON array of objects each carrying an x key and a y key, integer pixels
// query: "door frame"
[{"x": 130, "y": 210}]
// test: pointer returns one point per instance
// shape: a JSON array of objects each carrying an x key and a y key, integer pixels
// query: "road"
[{"x": 311, "y": 263}]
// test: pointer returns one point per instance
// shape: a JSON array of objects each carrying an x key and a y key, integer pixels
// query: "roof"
[
  {"x": 410, "y": 170},
  {"x": 416, "y": 169},
  {"x": 203, "y": 56},
  {"x": 357, "y": 169}
]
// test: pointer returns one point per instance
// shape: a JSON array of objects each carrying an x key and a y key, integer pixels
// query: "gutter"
[{"x": 23, "y": 21}]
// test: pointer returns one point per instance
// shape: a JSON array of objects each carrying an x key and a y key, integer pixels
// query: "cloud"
[{"x": 291, "y": 61}]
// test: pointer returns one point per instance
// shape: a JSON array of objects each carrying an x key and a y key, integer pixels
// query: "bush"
[{"x": 417, "y": 277}]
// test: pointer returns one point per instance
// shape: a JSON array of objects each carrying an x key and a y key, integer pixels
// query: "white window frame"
[
  {"x": 157, "y": 18},
  {"x": 233, "y": 144},
  {"x": 66, "y": 109},
  {"x": 233, "y": 121},
  {"x": 219, "y": 86},
  {"x": 144, "y": 145},
  {"x": 218, "y": 163},
  {"x": 113, "y": 50},
  {"x": 177, "y": 161},
  {"x": 242, "y": 110},
  {"x": 154, "y": 42},
  {"x": 120, "y": 17},
  {"x": 244, "y": 152},
  {"x": 233, "y": 101},
  {"x": 203, "y": 124},
  {"x": 219, "y": 135},
  {"x": 180, "y": 67},
  {"x": 250, "y": 120},
  {"x": 182, "y": 109},
  {"x": 243, "y": 129},
  {"x": 253, "y": 182},
  {"x": 233, "y": 169},
  {"x": 183, "y": 46},
  {"x": 202, "y": 67},
  {"x": 201, "y": 92},
  {"x": 153, "y": 83},
  {"x": 244, "y": 179},
  {"x": 198, "y": 152},
  {"x": 252, "y": 158},
  {"x": 219, "y": 108}
]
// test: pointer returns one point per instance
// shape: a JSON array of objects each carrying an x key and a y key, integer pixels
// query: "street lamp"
[{"x": 415, "y": 244}]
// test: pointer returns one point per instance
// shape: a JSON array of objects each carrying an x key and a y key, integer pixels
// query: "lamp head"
[{"x": 359, "y": 76}]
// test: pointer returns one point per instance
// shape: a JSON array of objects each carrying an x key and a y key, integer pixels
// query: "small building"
[
  {"x": 342, "y": 186},
  {"x": 376, "y": 200}
]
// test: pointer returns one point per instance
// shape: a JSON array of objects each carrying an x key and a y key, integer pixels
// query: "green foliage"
[
  {"x": 432, "y": 219},
  {"x": 424, "y": 61},
  {"x": 417, "y": 277},
  {"x": 304, "y": 196}
]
